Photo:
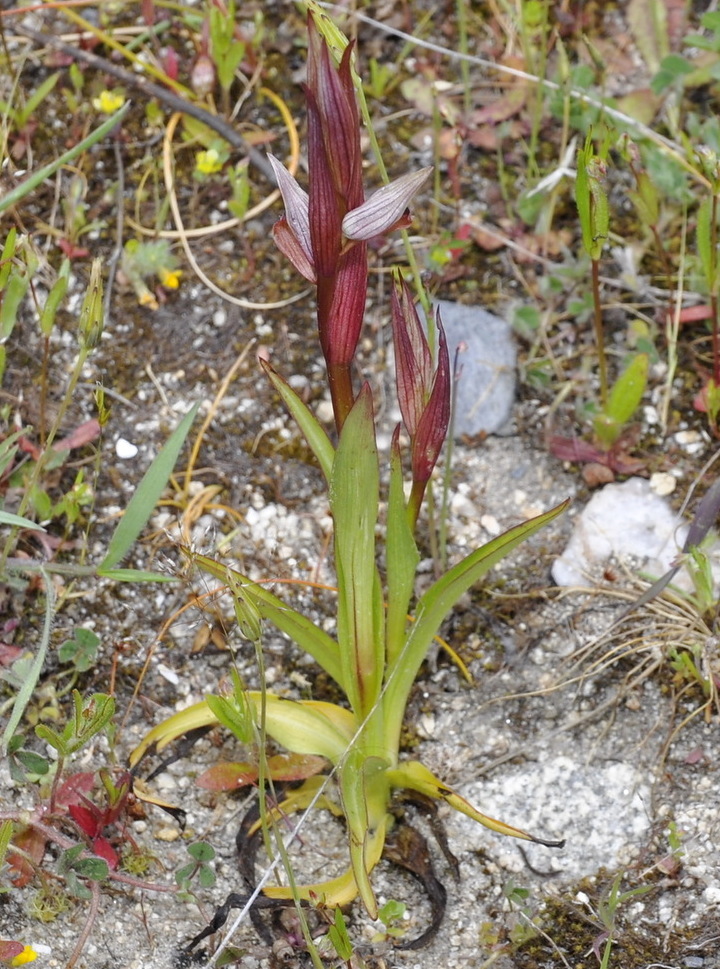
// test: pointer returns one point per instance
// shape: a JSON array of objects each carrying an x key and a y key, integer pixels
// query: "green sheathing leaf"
[
  {"x": 315, "y": 642},
  {"x": 147, "y": 495},
  {"x": 354, "y": 495},
  {"x": 402, "y": 558},
  {"x": 301, "y": 726},
  {"x": 436, "y": 603},
  {"x": 364, "y": 790},
  {"x": 314, "y": 433}
]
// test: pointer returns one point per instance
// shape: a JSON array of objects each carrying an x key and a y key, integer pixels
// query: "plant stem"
[
  {"x": 714, "y": 290},
  {"x": 341, "y": 392},
  {"x": 599, "y": 332}
]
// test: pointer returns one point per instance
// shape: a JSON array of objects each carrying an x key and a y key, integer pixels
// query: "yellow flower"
[
  {"x": 109, "y": 101},
  {"x": 28, "y": 954},
  {"x": 208, "y": 162},
  {"x": 169, "y": 278}
]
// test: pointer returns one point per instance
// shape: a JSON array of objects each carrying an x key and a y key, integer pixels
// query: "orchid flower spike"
[{"x": 324, "y": 231}]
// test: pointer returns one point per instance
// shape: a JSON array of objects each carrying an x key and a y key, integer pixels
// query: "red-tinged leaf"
[
  {"x": 695, "y": 314},
  {"x": 103, "y": 849},
  {"x": 32, "y": 844},
  {"x": 295, "y": 767},
  {"x": 72, "y": 791},
  {"x": 228, "y": 776},
  {"x": 86, "y": 819},
  {"x": 8, "y": 653},
  {"x": 8, "y": 949},
  {"x": 27, "y": 447},
  {"x": 72, "y": 251},
  {"x": 83, "y": 434},
  {"x": 574, "y": 449}
]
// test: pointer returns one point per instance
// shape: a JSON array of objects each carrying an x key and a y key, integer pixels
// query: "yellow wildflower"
[
  {"x": 208, "y": 162},
  {"x": 28, "y": 954},
  {"x": 169, "y": 278},
  {"x": 109, "y": 101}
]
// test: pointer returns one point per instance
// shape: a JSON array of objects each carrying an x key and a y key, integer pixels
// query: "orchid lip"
[{"x": 385, "y": 208}]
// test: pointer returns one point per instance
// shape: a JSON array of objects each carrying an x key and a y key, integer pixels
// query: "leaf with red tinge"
[
  {"x": 695, "y": 314},
  {"x": 228, "y": 776},
  {"x": 295, "y": 767},
  {"x": 281, "y": 767},
  {"x": 87, "y": 819},
  {"x": 83, "y": 434},
  {"x": 9, "y": 949},
  {"x": 9, "y": 653},
  {"x": 72, "y": 791},
  {"x": 103, "y": 849},
  {"x": 32, "y": 844}
]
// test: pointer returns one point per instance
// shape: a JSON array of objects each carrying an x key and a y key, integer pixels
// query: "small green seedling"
[
  {"x": 198, "y": 869},
  {"x": 89, "y": 718},
  {"x": 391, "y": 914},
  {"x": 77, "y": 870},
  {"x": 624, "y": 399},
  {"x": 338, "y": 935},
  {"x": 608, "y": 909},
  {"x": 81, "y": 651}
]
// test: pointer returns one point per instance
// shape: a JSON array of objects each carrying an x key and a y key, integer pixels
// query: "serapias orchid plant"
[{"x": 380, "y": 641}]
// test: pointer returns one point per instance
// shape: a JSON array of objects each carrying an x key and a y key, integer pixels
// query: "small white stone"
[
  {"x": 168, "y": 674},
  {"x": 491, "y": 525},
  {"x": 663, "y": 483},
  {"x": 324, "y": 412},
  {"x": 125, "y": 449}
]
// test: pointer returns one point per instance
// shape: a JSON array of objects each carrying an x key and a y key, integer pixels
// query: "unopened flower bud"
[
  {"x": 202, "y": 76},
  {"x": 91, "y": 312}
]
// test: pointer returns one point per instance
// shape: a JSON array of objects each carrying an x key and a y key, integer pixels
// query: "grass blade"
[{"x": 147, "y": 494}]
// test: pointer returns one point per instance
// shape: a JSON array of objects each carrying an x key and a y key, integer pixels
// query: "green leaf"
[
  {"x": 89, "y": 717},
  {"x": 184, "y": 874},
  {"x": 36, "y": 99},
  {"x": 17, "y": 521},
  {"x": 206, "y": 877},
  {"x": 315, "y": 642},
  {"x": 201, "y": 851},
  {"x": 625, "y": 397},
  {"x": 6, "y": 258},
  {"x": 15, "y": 290},
  {"x": 364, "y": 791},
  {"x": 302, "y": 726},
  {"x": 354, "y": 496},
  {"x": 147, "y": 494},
  {"x": 38, "y": 177},
  {"x": 339, "y": 937},
  {"x": 35, "y": 666},
  {"x": 234, "y": 712},
  {"x": 703, "y": 240},
  {"x": 135, "y": 575},
  {"x": 96, "y": 869},
  {"x": 436, "y": 603},
  {"x": 80, "y": 651},
  {"x": 32, "y": 762},
  {"x": 313, "y": 432},
  {"x": 402, "y": 558}
]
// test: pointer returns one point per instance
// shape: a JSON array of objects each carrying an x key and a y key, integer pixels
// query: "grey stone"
[{"x": 486, "y": 388}]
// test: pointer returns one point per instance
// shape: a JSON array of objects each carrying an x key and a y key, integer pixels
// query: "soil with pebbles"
[{"x": 547, "y": 736}]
